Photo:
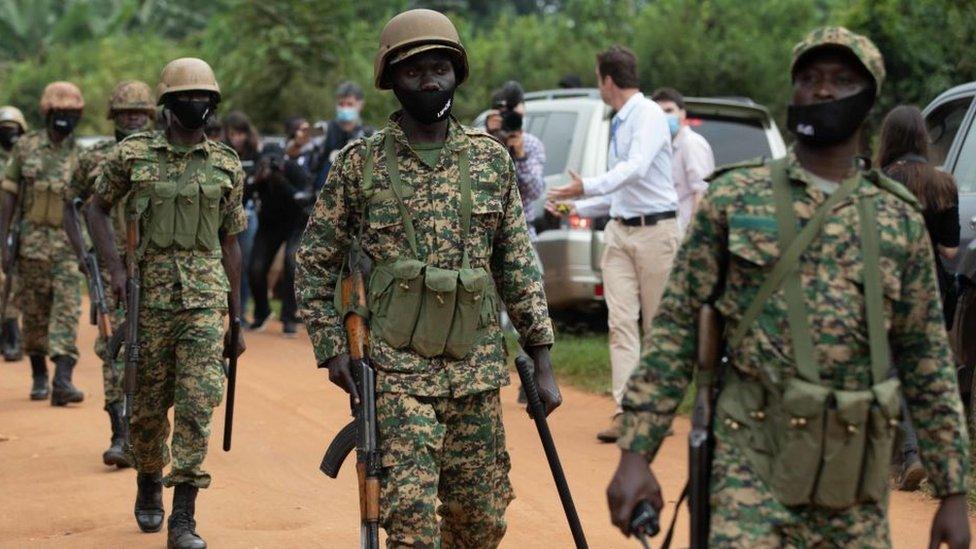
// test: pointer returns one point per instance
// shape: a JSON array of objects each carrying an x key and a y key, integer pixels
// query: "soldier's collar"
[
  {"x": 796, "y": 172},
  {"x": 46, "y": 140}
]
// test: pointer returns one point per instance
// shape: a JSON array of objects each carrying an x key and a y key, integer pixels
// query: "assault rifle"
[
  {"x": 361, "y": 433},
  {"x": 12, "y": 244},
  {"x": 99, "y": 313},
  {"x": 132, "y": 291},
  {"x": 701, "y": 443}
]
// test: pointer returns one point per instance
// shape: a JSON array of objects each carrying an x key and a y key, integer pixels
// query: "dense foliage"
[{"x": 276, "y": 58}]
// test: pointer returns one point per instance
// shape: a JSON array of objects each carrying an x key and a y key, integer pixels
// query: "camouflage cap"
[
  {"x": 12, "y": 115},
  {"x": 131, "y": 95},
  {"x": 861, "y": 46}
]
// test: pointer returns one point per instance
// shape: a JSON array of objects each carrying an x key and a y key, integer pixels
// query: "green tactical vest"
[
  {"x": 48, "y": 192},
  {"x": 811, "y": 444},
  {"x": 181, "y": 213},
  {"x": 432, "y": 311}
]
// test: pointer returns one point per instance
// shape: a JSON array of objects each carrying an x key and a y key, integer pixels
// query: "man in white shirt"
[
  {"x": 642, "y": 237},
  {"x": 691, "y": 155}
]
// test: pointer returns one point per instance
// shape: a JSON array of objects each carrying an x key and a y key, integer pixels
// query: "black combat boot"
[
  {"x": 182, "y": 528},
  {"x": 63, "y": 391},
  {"x": 12, "y": 351},
  {"x": 116, "y": 455},
  {"x": 39, "y": 389},
  {"x": 149, "y": 501}
]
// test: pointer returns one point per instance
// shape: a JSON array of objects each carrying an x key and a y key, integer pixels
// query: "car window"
[
  {"x": 965, "y": 171},
  {"x": 555, "y": 129},
  {"x": 943, "y": 124},
  {"x": 732, "y": 139}
]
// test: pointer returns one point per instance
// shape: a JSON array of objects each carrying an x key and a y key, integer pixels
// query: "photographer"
[
  {"x": 504, "y": 122},
  {"x": 283, "y": 188}
]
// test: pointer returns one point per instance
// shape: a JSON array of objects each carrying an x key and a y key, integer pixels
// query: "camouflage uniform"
[
  {"x": 732, "y": 247},
  {"x": 51, "y": 303},
  {"x": 183, "y": 302},
  {"x": 82, "y": 186},
  {"x": 439, "y": 420},
  {"x": 12, "y": 313}
]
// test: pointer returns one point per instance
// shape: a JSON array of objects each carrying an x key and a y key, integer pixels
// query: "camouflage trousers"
[
  {"x": 745, "y": 513},
  {"x": 446, "y": 449},
  {"x": 112, "y": 370},
  {"x": 50, "y": 298},
  {"x": 180, "y": 366}
]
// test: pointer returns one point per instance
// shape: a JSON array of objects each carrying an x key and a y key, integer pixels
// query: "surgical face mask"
[
  {"x": 426, "y": 107},
  {"x": 674, "y": 124},
  {"x": 192, "y": 115},
  {"x": 8, "y": 136},
  {"x": 832, "y": 122},
  {"x": 64, "y": 122},
  {"x": 347, "y": 114}
]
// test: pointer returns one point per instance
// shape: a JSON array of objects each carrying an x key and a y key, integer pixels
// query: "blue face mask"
[
  {"x": 347, "y": 114},
  {"x": 673, "y": 124}
]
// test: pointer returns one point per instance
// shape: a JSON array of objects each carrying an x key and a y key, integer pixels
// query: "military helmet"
[
  {"x": 61, "y": 96},
  {"x": 186, "y": 74},
  {"x": 13, "y": 114},
  {"x": 131, "y": 95},
  {"x": 839, "y": 37},
  {"x": 415, "y": 31}
]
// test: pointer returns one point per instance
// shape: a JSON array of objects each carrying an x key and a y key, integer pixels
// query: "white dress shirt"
[
  {"x": 692, "y": 161},
  {"x": 639, "y": 179}
]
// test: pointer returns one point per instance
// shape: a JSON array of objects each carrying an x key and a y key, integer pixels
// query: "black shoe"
[
  {"x": 12, "y": 351},
  {"x": 289, "y": 329},
  {"x": 149, "y": 501},
  {"x": 116, "y": 454},
  {"x": 182, "y": 527},
  {"x": 63, "y": 392},
  {"x": 39, "y": 390},
  {"x": 259, "y": 324}
]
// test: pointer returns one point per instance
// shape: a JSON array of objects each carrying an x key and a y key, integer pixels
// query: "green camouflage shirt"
[
  {"x": 174, "y": 278},
  {"x": 82, "y": 183},
  {"x": 34, "y": 160},
  {"x": 498, "y": 241},
  {"x": 735, "y": 233}
]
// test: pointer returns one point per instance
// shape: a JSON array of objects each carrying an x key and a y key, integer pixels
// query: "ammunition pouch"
[{"x": 47, "y": 204}]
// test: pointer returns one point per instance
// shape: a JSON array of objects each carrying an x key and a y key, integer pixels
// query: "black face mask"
[
  {"x": 63, "y": 122},
  {"x": 426, "y": 107},
  {"x": 192, "y": 115},
  {"x": 8, "y": 136},
  {"x": 831, "y": 122}
]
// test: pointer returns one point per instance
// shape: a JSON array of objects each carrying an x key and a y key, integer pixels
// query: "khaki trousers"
[{"x": 636, "y": 263}]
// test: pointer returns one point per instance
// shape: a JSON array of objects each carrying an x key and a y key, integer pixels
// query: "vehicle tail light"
[
  {"x": 577, "y": 222},
  {"x": 694, "y": 122},
  {"x": 598, "y": 290}
]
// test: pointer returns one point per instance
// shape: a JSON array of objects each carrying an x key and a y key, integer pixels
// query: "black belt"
[{"x": 646, "y": 220}]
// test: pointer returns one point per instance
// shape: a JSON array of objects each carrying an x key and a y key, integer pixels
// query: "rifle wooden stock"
[{"x": 700, "y": 440}]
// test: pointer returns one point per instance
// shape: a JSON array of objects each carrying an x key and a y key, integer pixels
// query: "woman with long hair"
[
  {"x": 903, "y": 156},
  {"x": 241, "y": 135}
]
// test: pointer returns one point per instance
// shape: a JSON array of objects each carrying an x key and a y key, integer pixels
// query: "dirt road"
[{"x": 55, "y": 492}]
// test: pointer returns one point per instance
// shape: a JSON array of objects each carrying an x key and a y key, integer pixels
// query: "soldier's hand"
[
  {"x": 951, "y": 524},
  {"x": 340, "y": 374},
  {"x": 118, "y": 285},
  {"x": 545, "y": 381},
  {"x": 632, "y": 483},
  {"x": 241, "y": 346}
]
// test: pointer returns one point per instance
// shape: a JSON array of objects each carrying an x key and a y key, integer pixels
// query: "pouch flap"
[
  {"x": 211, "y": 191},
  {"x": 380, "y": 279},
  {"x": 852, "y": 406},
  {"x": 887, "y": 395},
  {"x": 741, "y": 399},
  {"x": 473, "y": 280},
  {"x": 804, "y": 399},
  {"x": 42, "y": 185},
  {"x": 164, "y": 189},
  {"x": 441, "y": 280},
  {"x": 406, "y": 269}
]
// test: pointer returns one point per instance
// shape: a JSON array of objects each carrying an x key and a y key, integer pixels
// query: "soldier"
[
  {"x": 131, "y": 107},
  {"x": 435, "y": 205},
  {"x": 806, "y": 398},
  {"x": 41, "y": 165},
  {"x": 12, "y": 127},
  {"x": 184, "y": 193}
]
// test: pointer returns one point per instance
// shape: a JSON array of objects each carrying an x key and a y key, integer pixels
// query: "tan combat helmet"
[
  {"x": 839, "y": 37},
  {"x": 186, "y": 74},
  {"x": 415, "y": 31},
  {"x": 9, "y": 114},
  {"x": 132, "y": 95},
  {"x": 61, "y": 96}
]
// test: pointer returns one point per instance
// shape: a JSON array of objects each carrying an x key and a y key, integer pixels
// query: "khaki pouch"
[
  {"x": 46, "y": 208},
  {"x": 393, "y": 299},
  {"x": 436, "y": 312},
  {"x": 800, "y": 444},
  {"x": 472, "y": 289},
  {"x": 882, "y": 435},
  {"x": 843, "y": 451}
]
